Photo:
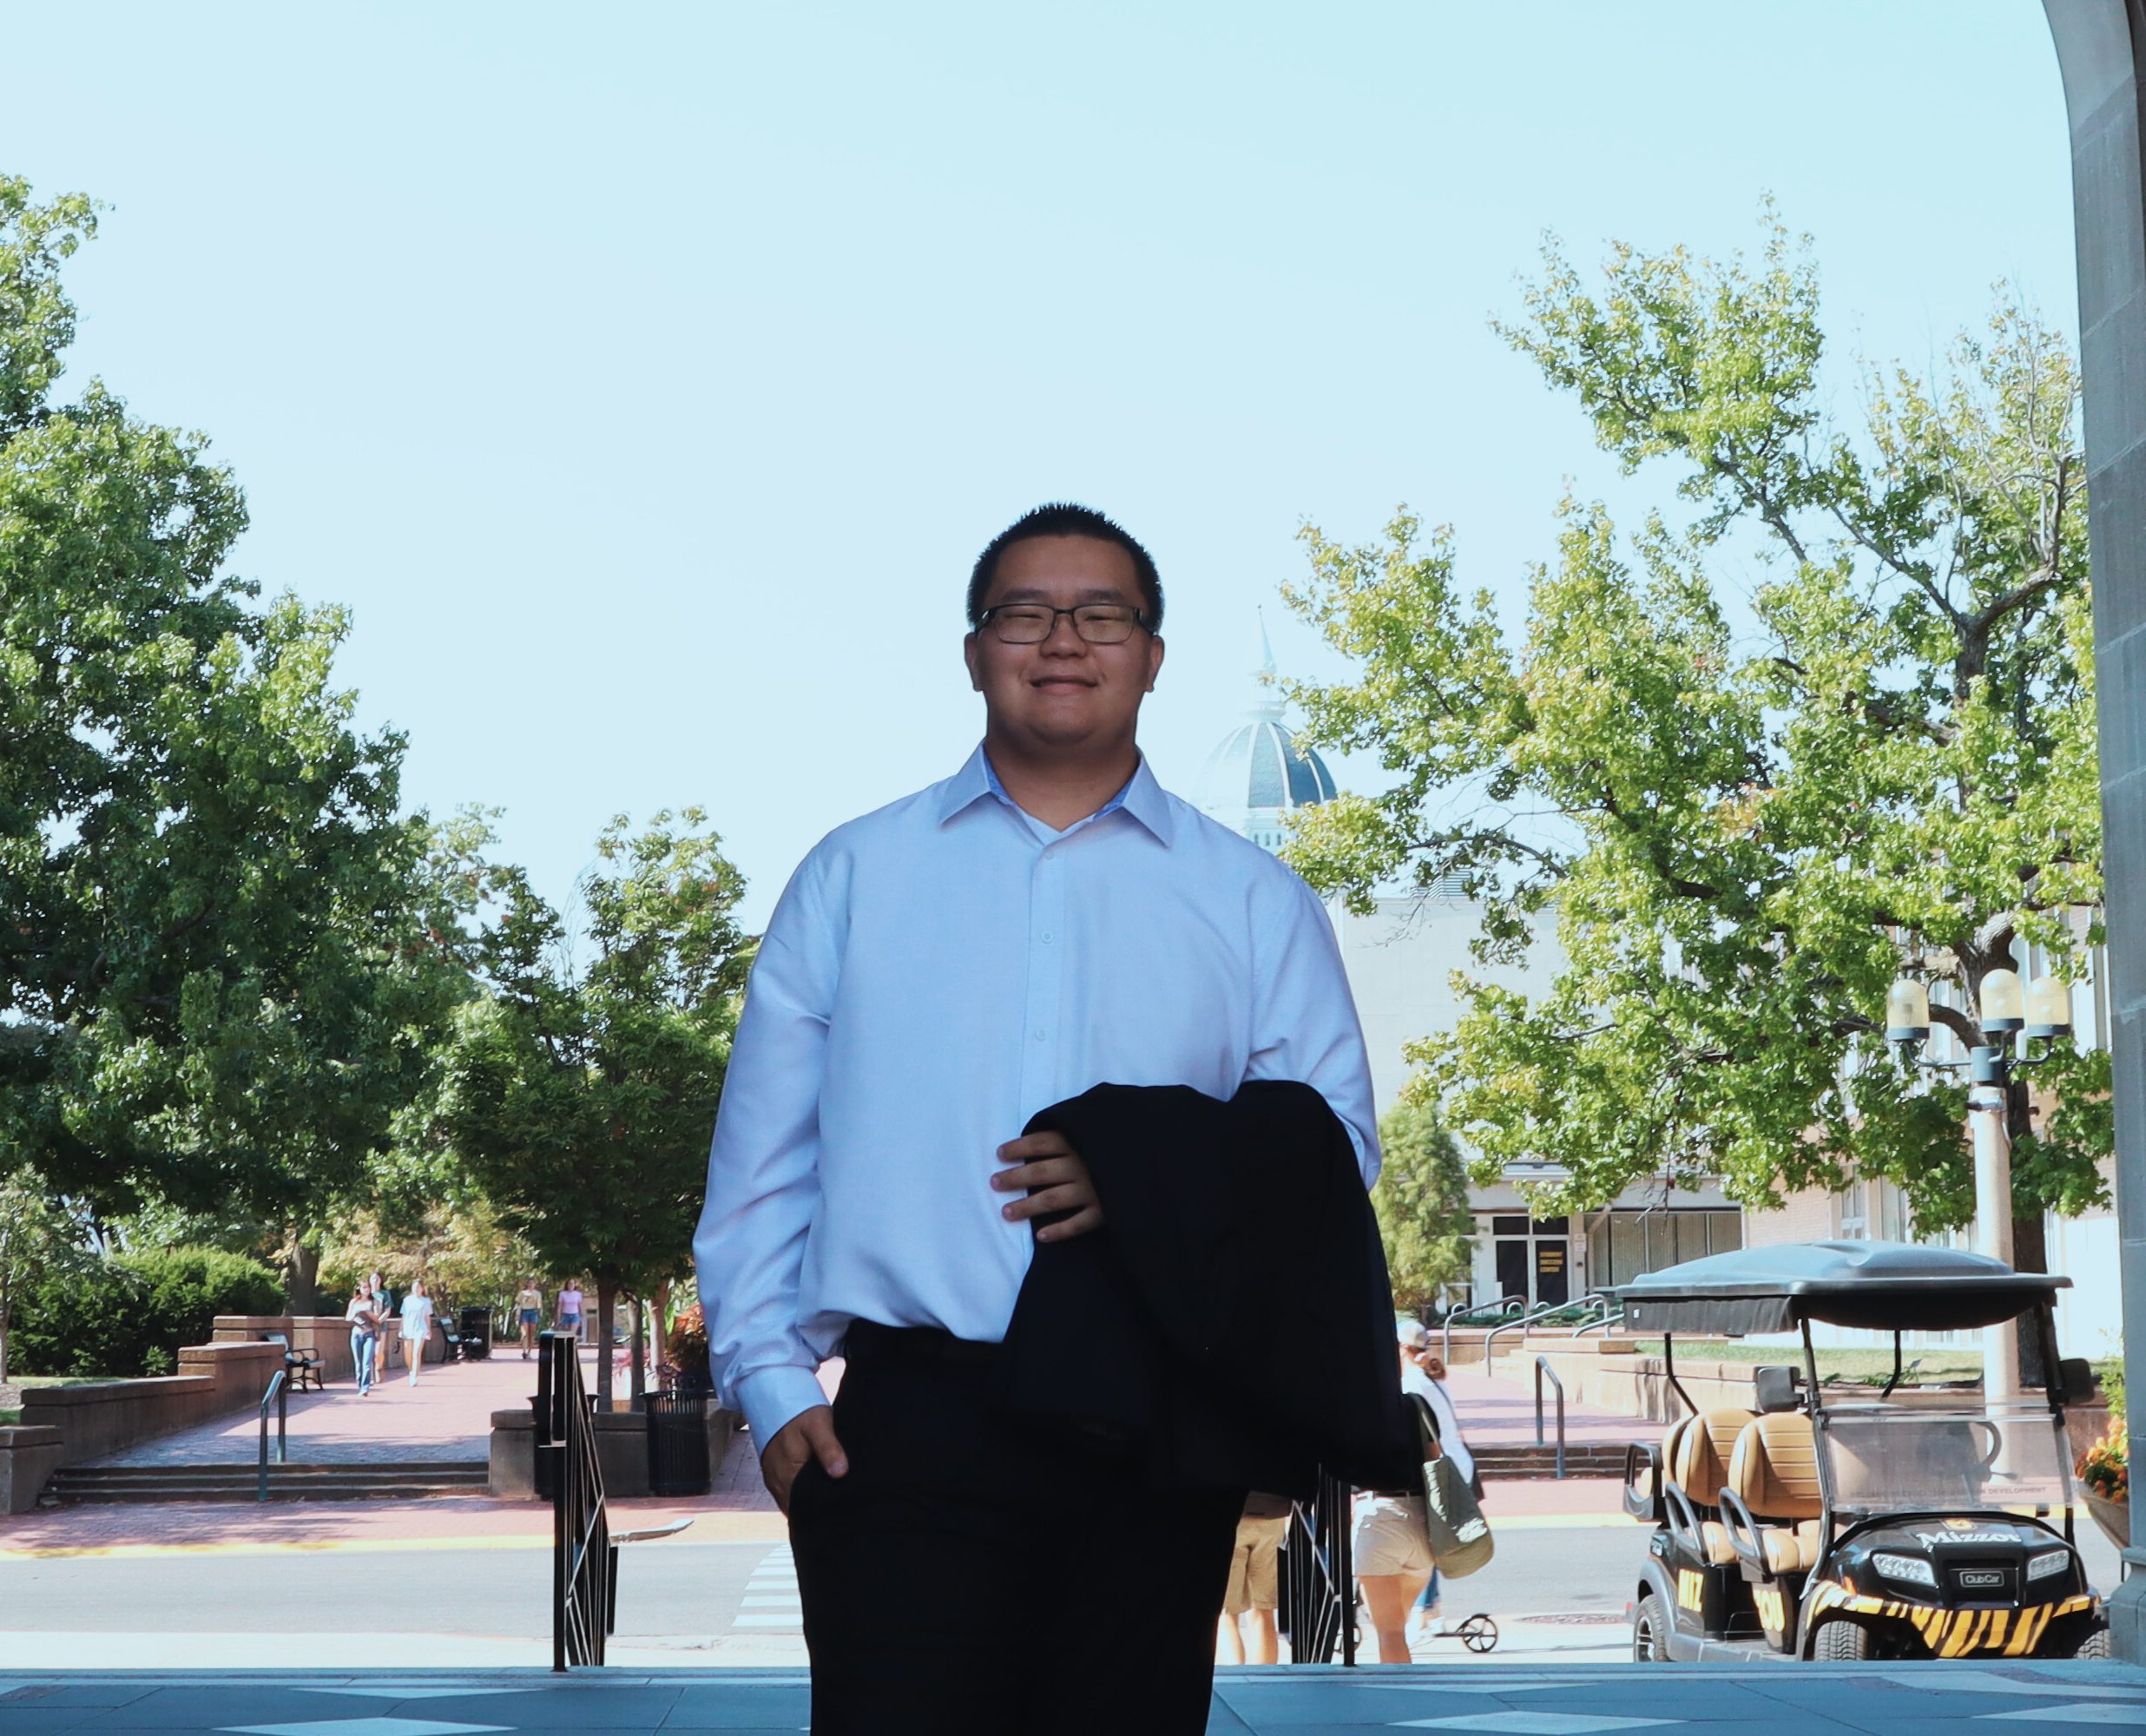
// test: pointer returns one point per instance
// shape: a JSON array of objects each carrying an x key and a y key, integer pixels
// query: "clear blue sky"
[{"x": 646, "y": 378}]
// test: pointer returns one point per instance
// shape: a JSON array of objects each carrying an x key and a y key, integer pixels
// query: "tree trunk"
[
  {"x": 660, "y": 1311},
  {"x": 301, "y": 1274},
  {"x": 3, "y": 1350},
  {"x": 637, "y": 1377},
  {"x": 607, "y": 1296}
]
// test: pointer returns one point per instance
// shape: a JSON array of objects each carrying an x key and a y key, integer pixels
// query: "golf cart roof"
[{"x": 1890, "y": 1286}]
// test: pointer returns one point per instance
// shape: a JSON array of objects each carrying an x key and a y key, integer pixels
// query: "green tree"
[
  {"x": 1421, "y": 1201},
  {"x": 216, "y": 940},
  {"x": 40, "y": 1239},
  {"x": 1747, "y": 816},
  {"x": 581, "y": 1095}
]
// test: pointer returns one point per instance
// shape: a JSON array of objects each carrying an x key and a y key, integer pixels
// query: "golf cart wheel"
[
  {"x": 2081, "y": 1642},
  {"x": 1845, "y": 1643},
  {"x": 1649, "y": 1634}
]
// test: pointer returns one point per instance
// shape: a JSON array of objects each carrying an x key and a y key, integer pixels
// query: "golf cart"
[{"x": 1918, "y": 1523}]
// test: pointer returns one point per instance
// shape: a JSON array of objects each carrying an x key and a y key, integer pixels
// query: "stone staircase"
[
  {"x": 377, "y": 1480},
  {"x": 1587, "y": 1458}
]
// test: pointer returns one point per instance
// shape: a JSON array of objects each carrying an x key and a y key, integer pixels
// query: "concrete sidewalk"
[{"x": 1910, "y": 1700}]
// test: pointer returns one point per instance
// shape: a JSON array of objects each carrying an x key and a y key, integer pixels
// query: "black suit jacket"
[{"x": 1231, "y": 1321}]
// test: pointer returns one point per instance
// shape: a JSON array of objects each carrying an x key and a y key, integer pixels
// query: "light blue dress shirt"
[{"x": 937, "y": 972}]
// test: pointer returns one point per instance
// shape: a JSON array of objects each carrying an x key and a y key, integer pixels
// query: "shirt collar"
[{"x": 1142, "y": 797}]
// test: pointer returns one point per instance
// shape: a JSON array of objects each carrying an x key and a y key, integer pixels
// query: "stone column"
[{"x": 2098, "y": 44}]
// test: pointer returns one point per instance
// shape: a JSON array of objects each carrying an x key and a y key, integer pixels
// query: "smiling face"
[{"x": 1063, "y": 696}]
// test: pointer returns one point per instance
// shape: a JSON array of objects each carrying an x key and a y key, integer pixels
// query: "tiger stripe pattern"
[{"x": 1952, "y": 1633}]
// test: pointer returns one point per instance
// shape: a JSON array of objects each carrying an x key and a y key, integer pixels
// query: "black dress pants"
[{"x": 973, "y": 1575}]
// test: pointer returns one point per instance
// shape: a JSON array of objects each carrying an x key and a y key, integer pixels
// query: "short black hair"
[{"x": 1065, "y": 518}]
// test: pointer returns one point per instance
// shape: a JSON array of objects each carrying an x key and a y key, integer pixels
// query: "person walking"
[
  {"x": 935, "y": 975},
  {"x": 365, "y": 1327},
  {"x": 1254, "y": 1584},
  {"x": 383, "y": 1311},
  {"x": 416, "y": 1327},
  {"x": 1388, "y": 1542},
  {"x": 1423, "y": 1371},
  {"x": 570, "y": 1301},
  {"x": 530, "y": 1306}
]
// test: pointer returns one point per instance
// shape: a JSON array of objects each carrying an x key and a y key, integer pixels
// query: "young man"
[{"x": 937, "y": 972}]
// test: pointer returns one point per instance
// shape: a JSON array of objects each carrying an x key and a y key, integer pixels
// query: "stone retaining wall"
[
  {"x": 68, "y": 1425},
  {"x": 326, "y": 1334},
  {"x": 622, "y": 1450}
]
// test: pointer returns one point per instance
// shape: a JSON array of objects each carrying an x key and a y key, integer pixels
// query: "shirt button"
[
  {"x": 1046, "y": 939},
  {"x": 1041, "y": 1033}
]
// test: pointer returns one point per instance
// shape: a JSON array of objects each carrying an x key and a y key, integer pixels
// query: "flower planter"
[{"x": 2113, "y": 1516}]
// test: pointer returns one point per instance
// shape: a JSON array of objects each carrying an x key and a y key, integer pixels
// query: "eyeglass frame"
[{"x": 1140, "y": 620}]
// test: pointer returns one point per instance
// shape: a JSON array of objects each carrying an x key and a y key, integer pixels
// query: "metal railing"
[
  {"x": 1528, "y": 1319},
  {"x": 1505, "y": 1305},
  {"x": 1319, "y": 1588},
  {"x": 584, "y": 1560},
  {"x": 1612, "y": 1316},
  {"x": 279, "y": 1395},
  {"x": 1541, "y": 1368}
]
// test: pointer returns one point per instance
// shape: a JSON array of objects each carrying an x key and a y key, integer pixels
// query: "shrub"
[{"x": 130, "y": 1314}]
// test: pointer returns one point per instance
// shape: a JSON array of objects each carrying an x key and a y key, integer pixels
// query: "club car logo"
[{"x": 1980, "y": 1579}]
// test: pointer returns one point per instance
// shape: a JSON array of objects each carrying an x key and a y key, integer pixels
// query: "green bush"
[{"x": 131, "y": 1313}]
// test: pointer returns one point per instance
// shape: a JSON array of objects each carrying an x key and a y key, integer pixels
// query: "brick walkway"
[
  {"x": 447, "y": 1415},
  {"x": 1501, "y": 1412}
]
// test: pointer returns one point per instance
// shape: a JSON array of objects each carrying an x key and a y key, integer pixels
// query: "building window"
[{"x": 1621, "y": 1245}]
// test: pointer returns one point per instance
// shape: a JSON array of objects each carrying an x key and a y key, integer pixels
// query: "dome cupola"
[{"x": 1258, "y": 774}]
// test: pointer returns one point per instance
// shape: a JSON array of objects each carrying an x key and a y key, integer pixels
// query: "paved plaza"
[
  {"x": 709, "y": 1635},
  {"x": 1926, "y": 1699}
]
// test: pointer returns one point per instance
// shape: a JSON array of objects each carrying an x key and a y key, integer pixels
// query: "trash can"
[
  {"x": 677, "y": 1443},
  {"x": 475, "y": 1332}
]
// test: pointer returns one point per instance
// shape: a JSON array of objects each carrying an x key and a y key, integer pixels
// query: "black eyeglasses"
[{"x": 1030, "y": 623}]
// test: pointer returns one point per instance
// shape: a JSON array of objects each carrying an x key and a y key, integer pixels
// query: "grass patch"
[{"x": 1861, "y": 1367}]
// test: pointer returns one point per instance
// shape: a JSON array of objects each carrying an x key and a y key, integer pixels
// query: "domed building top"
[{"x": 1257, "y": 774}]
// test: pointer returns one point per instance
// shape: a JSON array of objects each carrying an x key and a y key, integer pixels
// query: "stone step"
[
  {"x": 149, "y": 1473},
  {"x": 232, "y": 1492},
  {"x": 313, "y": 1482},
  {"x": 1592, "y": 1459}
]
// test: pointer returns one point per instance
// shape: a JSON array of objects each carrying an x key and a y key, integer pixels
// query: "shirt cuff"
[{"x": 771, "y": 1396}]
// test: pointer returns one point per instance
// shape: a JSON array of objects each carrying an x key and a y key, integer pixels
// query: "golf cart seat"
[
  {"x": 1773, "y": 1475},
  {"x": 1695, "y": 1455}
]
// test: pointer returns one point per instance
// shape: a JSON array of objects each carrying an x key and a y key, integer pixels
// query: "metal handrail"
[
  {"x": 1319, "y": 1588},
  {"x": 278, "y": 1394},
  {"x": 1503, "y": 1304},
  {"x": 1611, "y": 1317},
  {"x": 1528, "y": 1319},
  {"x": 584, "y": 1560},
  {"x": 1541, "y": 1368}
]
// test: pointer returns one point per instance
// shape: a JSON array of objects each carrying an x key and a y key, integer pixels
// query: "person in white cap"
[
  {"x": 1387, "y": 1540},
  {"x": 1422, "y": 1372}
]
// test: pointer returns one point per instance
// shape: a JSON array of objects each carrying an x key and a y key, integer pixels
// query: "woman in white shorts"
[
  {"x": 1391, "y": 1554},
  {"x": 1388, "y": 1542}
]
